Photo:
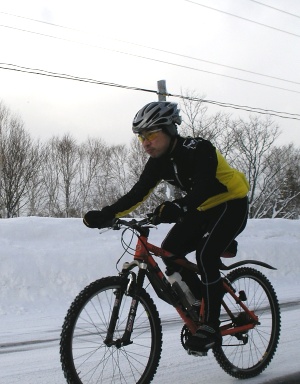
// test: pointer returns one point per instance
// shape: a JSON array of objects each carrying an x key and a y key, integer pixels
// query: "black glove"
[
  {"x": 99, "y": 219},
  {"x": 166, "y": 212}
]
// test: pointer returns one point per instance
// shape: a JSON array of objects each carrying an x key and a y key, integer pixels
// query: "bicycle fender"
[{"x": 245, "y": 262}]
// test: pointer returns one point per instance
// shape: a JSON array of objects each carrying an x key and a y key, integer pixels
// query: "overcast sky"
[{"x": 250, "y": 59}]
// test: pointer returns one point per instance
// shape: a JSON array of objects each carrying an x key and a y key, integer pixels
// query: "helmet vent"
[{"x": 161, "y": 113}]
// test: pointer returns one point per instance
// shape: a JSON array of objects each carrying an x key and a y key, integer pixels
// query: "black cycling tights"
[{"x": 210, "y": 233}]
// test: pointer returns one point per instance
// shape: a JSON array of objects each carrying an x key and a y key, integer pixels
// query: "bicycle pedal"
[{"x": 196, "y": 353}]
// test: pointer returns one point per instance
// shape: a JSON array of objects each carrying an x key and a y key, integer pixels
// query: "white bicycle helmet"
[{"x": 160, "y": 114}]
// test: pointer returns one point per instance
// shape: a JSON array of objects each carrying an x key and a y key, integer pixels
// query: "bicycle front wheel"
[
  {"x": 247, "y": 354},
  {"x": 86, "y": 359}
]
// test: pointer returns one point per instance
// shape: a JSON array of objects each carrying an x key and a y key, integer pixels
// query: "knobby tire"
[
  {"x": 86, "y": 359},
  {"x": 247, "y": 355}
]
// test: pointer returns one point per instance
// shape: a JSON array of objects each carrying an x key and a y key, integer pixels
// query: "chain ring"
[{"x": 185, "y": 334}]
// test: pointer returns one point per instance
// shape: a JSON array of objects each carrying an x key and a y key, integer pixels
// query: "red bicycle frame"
[{"x": 143, "y": 253}]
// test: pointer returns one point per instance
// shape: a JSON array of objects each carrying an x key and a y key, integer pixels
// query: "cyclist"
[{"x": 207, "y": 219}]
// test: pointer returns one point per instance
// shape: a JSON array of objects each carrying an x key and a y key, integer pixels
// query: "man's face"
[{"x": 155, "y": 142}]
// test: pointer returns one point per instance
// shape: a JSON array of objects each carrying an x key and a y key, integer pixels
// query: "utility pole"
[
  {"x": 162, "y": 90},
  {"x": 162, "y": 96}
]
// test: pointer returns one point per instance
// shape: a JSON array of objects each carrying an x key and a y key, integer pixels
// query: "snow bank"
[{"x": 46, "y": 261}]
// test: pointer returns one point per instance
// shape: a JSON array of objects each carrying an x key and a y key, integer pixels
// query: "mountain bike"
[{"x": 112, "y": 332}]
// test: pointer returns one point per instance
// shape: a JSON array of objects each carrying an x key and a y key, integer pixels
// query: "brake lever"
[{"x": 115, "y": 224}]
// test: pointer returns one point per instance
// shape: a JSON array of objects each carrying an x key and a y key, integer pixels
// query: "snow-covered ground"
[{"x": 45, "y": 262}]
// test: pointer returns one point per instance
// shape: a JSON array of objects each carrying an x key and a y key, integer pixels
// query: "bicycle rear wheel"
[
  {"x": 247, "y": 355},
  {"x": 86, "y": 358}
]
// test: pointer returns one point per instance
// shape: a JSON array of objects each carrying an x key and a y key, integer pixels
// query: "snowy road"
[
  {"x": 46, "y": 262},
  {"x": 31, "y": 354}
]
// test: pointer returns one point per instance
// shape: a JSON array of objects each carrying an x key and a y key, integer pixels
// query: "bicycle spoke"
[
  {"x": 248, "y": 354},
  {"x": 85, "y": 355}
]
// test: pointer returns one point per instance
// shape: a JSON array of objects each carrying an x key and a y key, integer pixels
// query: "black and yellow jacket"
[{"x": 197, "y": 168}]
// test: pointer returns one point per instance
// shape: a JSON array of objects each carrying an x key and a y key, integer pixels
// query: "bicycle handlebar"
[{"x": 142, "y": 226}]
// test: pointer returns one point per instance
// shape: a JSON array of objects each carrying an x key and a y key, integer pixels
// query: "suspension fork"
[
  {"x": 134, "y": 304},
  {"x": 134, "y": 285},
  {"x": 119, "y": 293}
]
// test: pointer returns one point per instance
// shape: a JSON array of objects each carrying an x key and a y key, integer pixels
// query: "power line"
[
  {"x": 13, "y": 67},
  {"x": 37, "y": 21},
  {"x": 35, "y": 71},
  {"x": 156, "y": 49},
  {"x": 276, "y": 9},
  {"x": 152, "y": 59},
  {"x": 243, "y": 18}
]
